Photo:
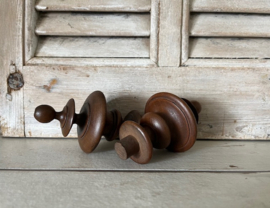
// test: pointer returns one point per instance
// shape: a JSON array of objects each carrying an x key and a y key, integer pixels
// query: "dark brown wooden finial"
[
  {"x": 169, "y": 122},
  {"x": 93, "y": 121}
]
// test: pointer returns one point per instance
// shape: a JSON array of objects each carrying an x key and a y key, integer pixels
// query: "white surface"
[
  {"x": 90, "y": 189},
  {"x": 93, "y": 47},
  {"x": 229, "y": 25},
  {"x": 229, "y": 48},
  {"x": 238, "y": 6},
  {"x": 93, "y": 24},
  {"x": 65, "y": 154},
  {"x": 235, "y": 101},
  {"x": 56, "y": 173},
  {"x": 94, "y": 5}
]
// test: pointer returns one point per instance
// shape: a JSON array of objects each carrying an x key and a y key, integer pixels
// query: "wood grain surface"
[
  {"x": 235, "y": 101},
  {"x": 94, "y": 5},
  {"x": 82, "y": 189},
  {"x": 93, "y": 24},
  {"x": 230, "y": 6},
  {"x": 229, "y": 25},
  {"x": 65, "y": 155},
  {"x": 11, "y": 103}
]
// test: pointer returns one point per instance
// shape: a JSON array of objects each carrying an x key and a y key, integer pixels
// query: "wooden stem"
[
  {"x": 127, "y": 147},
  {"x": 109, "y": 126},
  {"x": 80, "y": 119}
]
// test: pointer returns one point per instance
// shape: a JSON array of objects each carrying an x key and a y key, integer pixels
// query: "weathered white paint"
[
  {"x": 93, "y": 47},
  {"x": 95, "y": 5},
  {"x": 229, "y": 25},
  {"x": 235, "y": 101},
  {"x": 232, "y": 108},
  {"x": 242, "y": 63},
  {"x": 185, "y": 31},
  {"x": 11, "y": 110},
  {"x": 242, "y": 6},
  {"x": 30, "y": 39},
  {"x": 170, "y": 26},
  {"x": 93, "y": 24},
  {"x": 229, "y": 48},
  {"x": 155, "y": 7},
  {"x": 99, "y": 62}
]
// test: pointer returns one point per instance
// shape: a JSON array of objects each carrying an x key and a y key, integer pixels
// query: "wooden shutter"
[
  {"x": 226, "y": 32},
  {"x": 90, "y": 32}
]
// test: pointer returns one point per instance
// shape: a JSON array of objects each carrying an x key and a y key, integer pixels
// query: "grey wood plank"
[
  {"x": 93, "y": 24},
  {"x": 65, "y": 154},
  {"x": 242, "y": 6},
  {"x": 93, "y": 47},
  {"x": 84, "y": 189},
  {"x": 229, "y": 48},
  {"x": 229, "y": 25},
  {"x": 235, "y": 101},
  {"x": 11, "y": 105},
  {"x": 94, "y": 5}
]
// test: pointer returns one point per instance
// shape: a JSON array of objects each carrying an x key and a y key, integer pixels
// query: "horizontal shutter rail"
[
  {"x": 94, "y": 47},
  {"x": 230, "y": 6},
  {"x": 93, "y": 24},
  {"x": 94, "y": 5},
  {"x": 229, "y": 48},
  {"x": 229, "y": 25}
]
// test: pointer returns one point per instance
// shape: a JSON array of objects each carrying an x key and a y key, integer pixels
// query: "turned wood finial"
[
  {"x": 93, "y": 121},
  {"x": 169, "y": 122}
]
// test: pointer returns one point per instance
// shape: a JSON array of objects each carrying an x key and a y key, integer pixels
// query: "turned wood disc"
[
  {"x": 178, "y": 116},
  {"x": 69, "y": 111},
  {"x": 94, "y": 111},
  {"x": 131, "y": 128},
  {"x": 159, "y": 128}
]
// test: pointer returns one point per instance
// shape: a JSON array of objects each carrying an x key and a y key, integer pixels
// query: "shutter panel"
[
  {"x": 101, "y": 32},
  {"x": 231, "y": 30}
]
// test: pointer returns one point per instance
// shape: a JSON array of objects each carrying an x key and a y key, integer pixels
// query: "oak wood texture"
[
  {"x": 93, "y": 24},
  {"x": 96, "y": 6},
  {"x": 170, "y": 26},
  {"x": 241, "y": 84},
  {"x": 93, "y": 47},
  {"x": 93, "y": 121},
  {"x": 111, "y": 31},
  {"x": 229, "y": 48},
  {"x": 238, "y": 30},
  {"x": 205, "y": 156},
  {"x": 230, "y": 6},
  {"x": 11, "y": 46},
  {"x": 169, "y": 122},
  {"x": 235, "y": 100},
  {"x": 229, "y": 25}
]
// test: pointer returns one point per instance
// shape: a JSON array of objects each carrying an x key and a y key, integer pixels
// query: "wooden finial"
[
  {"x": 93, "y": 121},
  {"x": 169, "y": 122}
]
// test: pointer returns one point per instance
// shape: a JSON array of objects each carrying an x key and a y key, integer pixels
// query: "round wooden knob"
[
  {"x": 45, "y": 114},
  {"x": 93, "y": 121},
  {"x": 169, "y": 122},
  {"x": 137, "y": 141},
  {"x": 181, "y": 116}
]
